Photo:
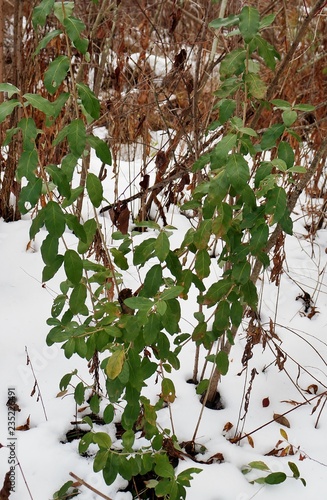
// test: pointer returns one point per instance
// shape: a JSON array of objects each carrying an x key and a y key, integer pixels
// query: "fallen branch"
[{"x": 84, "y": 483}]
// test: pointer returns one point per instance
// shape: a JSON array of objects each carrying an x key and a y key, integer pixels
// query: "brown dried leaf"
[
  {"x": 161, "y": 161},
  {"x": 12, "y": 405},
  {"x": 291, "y": 402},
  {"x": 34, "y": 389},
  {"x": 5, "y": 490},
  {"x": 144, "y": 184},
  {"x": 80, "y": 410},
  {"x": 250, "y": 441},
  {"x": 25, "y": 427},
  {"x": 217, "y": 458},
  {"x": 312, "y": 389},
  {"x": 265, "y": 402},
  {"x": 281, "y": 420},
  {"x": 61, "y": 393},
  {"x": 228, "y": 426}
]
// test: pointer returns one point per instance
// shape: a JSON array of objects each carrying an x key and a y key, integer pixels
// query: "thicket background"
[{"x": 155, "y": 68}]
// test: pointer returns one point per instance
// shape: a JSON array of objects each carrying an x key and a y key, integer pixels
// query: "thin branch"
[{"x": 84, "y": 483}]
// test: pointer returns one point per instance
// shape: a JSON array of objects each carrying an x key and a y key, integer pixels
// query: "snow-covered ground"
[{"x": 46, "y": 461}]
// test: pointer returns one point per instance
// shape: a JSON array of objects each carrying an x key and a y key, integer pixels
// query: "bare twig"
[
  {"x": 36, "y": 384},
  {"x": 84, "y": 483}
]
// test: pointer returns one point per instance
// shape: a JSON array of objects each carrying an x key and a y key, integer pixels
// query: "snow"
[{"x": 46, "y": 461}]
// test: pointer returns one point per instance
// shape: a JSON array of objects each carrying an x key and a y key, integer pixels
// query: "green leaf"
[
  {"x": 29, "y": 131},
  {"x": 224, "y": 22},
  {"x": 54, "y": 219},
  {"x": 248, "y": 131},
  {"x": 152, "y": 328},
  {"x": 259, "y": 237},
  {"x": 249, "y": 23},
  {"x": 202, "y": 263},
  {"x": 61, "y": 136},
  {"x": 148, "y": 223},
  {"x": 142, "y": 303},
  {"x": 49, "y": 249},
  {"x": 202, "y": 234},
  {"x": 217, "y": 291},
  {"x": 9, "y": 88},
  {"x": 237, "y": 171},
  {"x": 94, "y": 189},
  {"x": 222, "y": 315},
  {"x": 226, "y": 109},
  {"x": 250, "y": 295},
  {"x": 115, "y": 363},
  {"x": 281, "y": 104},
  {"x": 143, "y": 251},
  {"x": 224, "y": 146},
  {"x": 275, "y": 478},
  {"x": 171, "y": 318},
  {"x": 161, "y": 246},
  {"x": 27, "y": 165},
  {"x": 40, "y": 103},
  {"x": 102, "y": 439},
  {"x": 268, "y": 53},
  {"x": 153, "y": 281},
  {"x": 168, "y": 390},
  {"x": 56, "y": 73},
  {"x": 256, "y": 87},
  {"x": 202, "y": 386},
  {"x": 76, "y": 227},
  {"x": 297, "y": 169},
  {"x": 100, "y": 460},
  {"x": 289, "y": 117},
  {"x": 201, "y": 162},
  {"x": 241, "y": 272},
  {"x": 171, "y": 293},
  {"x": 271, "y": 135},
  {"x": 228, "y": 87},
  {"x": 77, "y": 299},
  {"x": 163, "y": 467},
  {"x": 128, "y": 439},
  {"x": 76, "y": 136},
  {"x": 101, "y": 148},
  {"x": 7, "y": 107},
  {"x": 267, "y": 21},
  {"x": 74, "y": 194},
  {"x": 73, "y": 266},
  {"x": 89, "y": 101},
  {"x": 74, "y": 28},
  {"x": 63, "y": 9},
  {"x": 41, "y": 12},
  {"x": 233, "y": 63},
  {"x": 109, "y": 414},
  {"x": 276, "y": 203},
  {"x": 222, "y": 362},
  {"x": 79, "y": 393},
  {"x": 294, "y": 469},
  {"x": 236, "y": 313},
  {"x": 56, "y": 309},
  {"x": 119, "y": 259},
  {"x": 29, "y": 195},
  {"x": 304, "y": 107},
  {"x": 90, "y": 227},
  {"x": 259, "y": 465},
  {"x": 286, "y": 153},
  {"x": 45, "y": 40},
  {"x": 49, "y": 271},
  {"x": 59, "y": 103},
  {"x": 60, "y": 179}
]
